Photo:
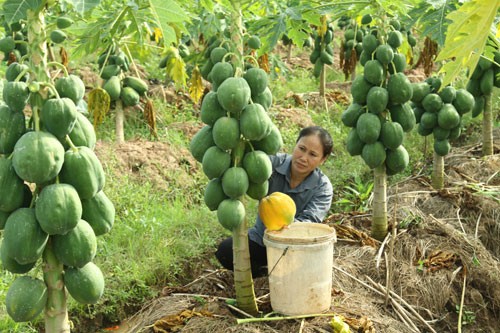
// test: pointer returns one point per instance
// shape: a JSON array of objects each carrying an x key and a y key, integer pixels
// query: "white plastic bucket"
[{"x": 300, "y": 263}]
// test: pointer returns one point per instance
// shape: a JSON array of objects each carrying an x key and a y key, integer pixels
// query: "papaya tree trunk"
[
  {"x": 379, "y": 221},
  {"x": 426, "y": 144},
  {"x": 38, "y": 47},
  {"x": 56, "y": 313},
  {"x": 243, "y": 282},
  {"x": 322, "y": 81},
  {"x": 487, "y": 126},
  {"x": 289, "y": 52},
  {"x": 437, "y": 172},
  {"x": 50, "y": 53},
  {"x": 119, "y": 120}
]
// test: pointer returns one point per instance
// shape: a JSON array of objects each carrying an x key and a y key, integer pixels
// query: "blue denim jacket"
[{"x": 313, "y": 197}]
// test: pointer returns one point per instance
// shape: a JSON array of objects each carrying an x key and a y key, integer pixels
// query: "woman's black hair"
[{"x": 324, "y": 136}]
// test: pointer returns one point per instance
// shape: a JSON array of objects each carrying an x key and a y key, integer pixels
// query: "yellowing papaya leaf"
[
  {"x": 157, "y": 35},
  {"x": 176, "y": 68},
  {"x": 409, "y": 56},
  {"x": 323, "y": 27},
  {"x": 466, "y": 37},
  {"x": 405, "y": 49},
  {"x": 64, "y": 57},
  {"x": 196, "y": 85},
  {"x": 150, "y": 116},
  {"x": 264, "y": 63},
  {"x": 178, "y": 72},
  {"x": 98, "y": 105},
  {"x": 358, "y": 20}
]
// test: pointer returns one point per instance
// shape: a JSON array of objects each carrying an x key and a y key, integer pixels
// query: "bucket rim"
[{"x": 282, "y": 237}]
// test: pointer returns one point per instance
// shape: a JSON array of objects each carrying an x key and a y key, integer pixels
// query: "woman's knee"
[
  {"x": 224, "y": 253},
  {"x": 258, "y": 258}
]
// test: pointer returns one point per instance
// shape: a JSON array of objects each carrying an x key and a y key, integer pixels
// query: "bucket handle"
[{"x": 277, "y": 262}]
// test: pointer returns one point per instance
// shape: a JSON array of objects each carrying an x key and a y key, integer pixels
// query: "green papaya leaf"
[
  {"x": 83, "y": 6},
  {"x": 15, "y": 10},
  {"x": 432, "y": 19},
  {"x": 271, "y": 29},
  {"x": 466, "y": 37},
  {"x": 168, "y": 13}
]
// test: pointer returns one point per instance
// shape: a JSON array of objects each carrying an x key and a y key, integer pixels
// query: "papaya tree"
[
  {"x": 476, "y": 98},
  {"x": 431, "y": 96},
  {"x": 482, "y": 81},
  {"x": 322, "y": 53},
  {"x": 438, "y": 111},
  {"x": 291, "y": 23},
  {"x": 234, "y": 145},
  {"x": 52, "y": 199},
  {"x": 466, "y": 41},
  {"x": 122, "y": 31},
  {"x": 295, "y": 19},
  {"x": 380, "y": 114},
  {"x": 357, "y": 145},
  {"x": 307, "y": 23},
  {"x": 213, "y": 32}
]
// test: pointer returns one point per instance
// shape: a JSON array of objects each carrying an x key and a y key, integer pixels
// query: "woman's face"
[{"x": 307, "y": 155}]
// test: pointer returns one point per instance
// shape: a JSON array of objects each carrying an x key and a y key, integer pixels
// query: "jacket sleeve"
[{"x": 318, "y": 206}]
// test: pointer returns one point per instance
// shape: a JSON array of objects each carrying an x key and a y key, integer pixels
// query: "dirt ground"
[{"x": 440, "y": 260}]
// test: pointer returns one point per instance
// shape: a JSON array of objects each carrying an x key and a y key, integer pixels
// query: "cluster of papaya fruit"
[
  {"x": 51, "y": 190},
  {"x": 215, "y": 53},
  {"x": 355, "y": 34},
  {"x": 439, "y": 111},
  {"x": 380, "y": 112},
  {"x": 322, "y": 53},
  {"x": 398, "y": 32},
  {"x": 238, "y": 136},
  {"x": 57, "y": 36},
  {"x": 113, "y": 64},
  {"x": 484, "y": 78},
  {"x": 15, "y": 43},
  {"x": 344, "y": 21},
  {"x": 16, "y": 39}
]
